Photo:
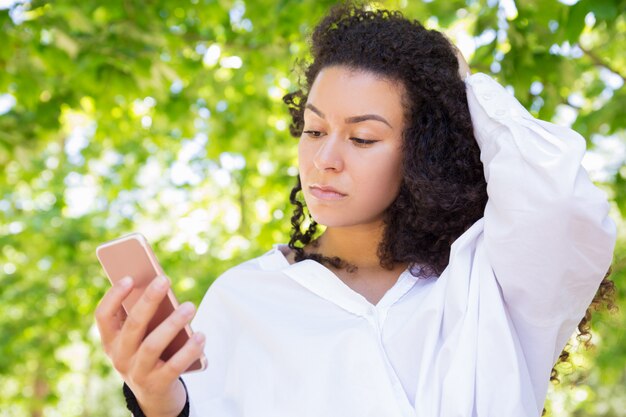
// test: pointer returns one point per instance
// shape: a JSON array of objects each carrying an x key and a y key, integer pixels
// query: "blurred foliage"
[{"x": 165, "y": 117}]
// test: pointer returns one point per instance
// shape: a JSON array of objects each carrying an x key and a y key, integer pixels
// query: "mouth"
[{"x": 323, "y": 192}]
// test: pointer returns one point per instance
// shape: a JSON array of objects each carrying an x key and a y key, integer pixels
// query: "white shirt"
[{"x": 480, "y": 340}]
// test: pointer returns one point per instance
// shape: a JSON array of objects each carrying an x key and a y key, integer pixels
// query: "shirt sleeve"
[{"x": 547, "y": 232}]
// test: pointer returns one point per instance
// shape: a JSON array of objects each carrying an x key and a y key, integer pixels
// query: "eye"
[
  {"x": 362, "y": 142},
  {"x": 357, "y": 141},
  {"x": 313, "y": 133}
]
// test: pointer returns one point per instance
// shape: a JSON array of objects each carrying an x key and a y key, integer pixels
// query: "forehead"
[{"x": 346, "y": 92}]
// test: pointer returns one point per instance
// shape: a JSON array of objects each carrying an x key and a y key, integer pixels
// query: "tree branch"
[{"x": 600, "y": 62}]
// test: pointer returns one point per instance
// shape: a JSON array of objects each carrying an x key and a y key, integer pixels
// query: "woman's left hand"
[{"x": 464, "y": 69}]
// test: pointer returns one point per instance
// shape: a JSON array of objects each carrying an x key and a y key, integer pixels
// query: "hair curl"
[{"x": 443, "y": 191}]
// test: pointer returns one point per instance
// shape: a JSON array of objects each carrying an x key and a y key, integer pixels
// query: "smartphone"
[{"x": 131, "y": 255}]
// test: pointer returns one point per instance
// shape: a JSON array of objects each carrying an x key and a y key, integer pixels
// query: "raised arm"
[{"x": 547, "y": 232}]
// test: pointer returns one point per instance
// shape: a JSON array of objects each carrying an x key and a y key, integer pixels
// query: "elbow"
[{"x": 593, "y": 233}]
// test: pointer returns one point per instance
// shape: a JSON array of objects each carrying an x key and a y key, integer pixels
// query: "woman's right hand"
[{"x": 154, "y": 382}]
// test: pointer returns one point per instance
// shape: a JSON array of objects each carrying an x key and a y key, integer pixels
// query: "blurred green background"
[{"x": 165, "y": 117}]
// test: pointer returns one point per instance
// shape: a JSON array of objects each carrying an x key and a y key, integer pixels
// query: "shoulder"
[{"x": 255, "y": 270}]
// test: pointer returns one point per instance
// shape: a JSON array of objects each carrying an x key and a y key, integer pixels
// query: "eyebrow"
[{"x": 353, "y": 119}]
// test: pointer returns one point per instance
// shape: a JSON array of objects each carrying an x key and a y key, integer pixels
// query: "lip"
[{"x": 325, "y": 192}]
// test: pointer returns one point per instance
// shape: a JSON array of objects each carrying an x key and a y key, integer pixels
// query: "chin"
[
  {"x": 327, "y": 216},
  {"x": 343, "y": 214},
  {"x": 335, "y": 218}
]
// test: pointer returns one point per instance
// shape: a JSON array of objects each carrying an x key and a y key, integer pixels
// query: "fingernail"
[
  {"x": 198, "y": 338},
  {"x": 160, "y": 282},
  {"x": 186, "y": 309},
  {"x": 126, "y": 282}
]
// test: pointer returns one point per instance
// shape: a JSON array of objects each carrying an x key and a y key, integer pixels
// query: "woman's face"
[{"x": 352, "y": 143}]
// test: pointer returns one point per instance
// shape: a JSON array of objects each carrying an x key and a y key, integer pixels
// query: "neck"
[{"x": 356, "y": 245}]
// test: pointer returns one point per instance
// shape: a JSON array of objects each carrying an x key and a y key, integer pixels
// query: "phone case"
[{"x": 131, "y": 255}]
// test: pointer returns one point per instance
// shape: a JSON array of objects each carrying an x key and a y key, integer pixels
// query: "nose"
[{"x": 328, "y": 155}]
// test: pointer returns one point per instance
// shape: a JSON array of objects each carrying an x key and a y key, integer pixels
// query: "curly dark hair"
[{"x": 443, "y": 191}]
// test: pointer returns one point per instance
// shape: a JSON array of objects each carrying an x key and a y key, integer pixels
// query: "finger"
[
  {"x": 134, "y": 328},
  {"x": 181, "y": 360},
  {"x": 155, "y": 343},
  {"x": 108, "y": 317},
  {"x": 121, "y": 316}
]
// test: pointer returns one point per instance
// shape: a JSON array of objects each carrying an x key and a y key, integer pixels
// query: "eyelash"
[{"x": 357, "y": 141}]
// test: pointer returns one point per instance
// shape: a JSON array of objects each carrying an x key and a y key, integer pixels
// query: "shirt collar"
[{"x": 323, "y": 282}]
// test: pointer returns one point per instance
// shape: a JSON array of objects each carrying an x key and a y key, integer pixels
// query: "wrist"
[{"x": 175, "y": 403}]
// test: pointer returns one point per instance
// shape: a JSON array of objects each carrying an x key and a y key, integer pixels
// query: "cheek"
[
  {"x": 302, "y": 158},
  {"x": 306, "y": 154},
  {"x": 301, "y": 149},
  {"x": 379, "y": 186}
]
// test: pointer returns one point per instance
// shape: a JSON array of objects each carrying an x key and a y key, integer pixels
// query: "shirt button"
[
  {"x": 500, "y": 112},
  {"x": 487, "y": 96}
]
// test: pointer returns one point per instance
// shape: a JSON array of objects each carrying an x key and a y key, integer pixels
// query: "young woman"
[{"x": 463, "y": 243}]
